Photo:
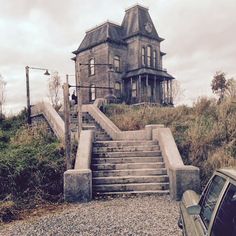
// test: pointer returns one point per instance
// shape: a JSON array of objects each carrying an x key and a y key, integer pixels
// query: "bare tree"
[
  {"x": 177, "y": 91},
  {"x": 2, "y": 94},
  {"x": 54, "y": 86}
]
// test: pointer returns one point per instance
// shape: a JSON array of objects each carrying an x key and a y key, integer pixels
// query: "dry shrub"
[{"x": 38, "y": 133}]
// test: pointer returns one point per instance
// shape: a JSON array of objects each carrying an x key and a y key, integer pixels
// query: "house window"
[
  {"x": 91, "y": 66},
  {"x": 134, "y": 89},
  {"x": 149, "y": 50},
  {"x": 118, "y": 89},
  {"x": 155, "y": 59},
  {"x": 92, "y": 92},
  {"x": 117, "y": 63},
  {"x": 143, "y": 56}
]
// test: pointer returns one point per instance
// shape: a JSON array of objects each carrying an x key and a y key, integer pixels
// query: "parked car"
[{"x": 214, "y": 212}]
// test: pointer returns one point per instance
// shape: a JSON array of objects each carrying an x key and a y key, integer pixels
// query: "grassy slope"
[
  {"x": 31, "y": 167},
  {"x": 205, "y": 134}
]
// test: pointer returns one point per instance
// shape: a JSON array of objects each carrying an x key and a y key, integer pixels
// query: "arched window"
[
  {"x": 155, "y": 59},
  {"x": 149, "y": 56},
  {"x": 143, "y": 56},
  {"x": 92, "y": 92},
  {"x": 116, "y": 63},
  {"x": 91, "y": 66}
]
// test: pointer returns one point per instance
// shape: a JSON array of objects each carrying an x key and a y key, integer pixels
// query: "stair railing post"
[
  {"x": 67, "y": 124},
  {"x": 78, "y": 78}
]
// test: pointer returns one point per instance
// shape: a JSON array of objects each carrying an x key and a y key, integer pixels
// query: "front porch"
[{"x": 148, "y": 88}]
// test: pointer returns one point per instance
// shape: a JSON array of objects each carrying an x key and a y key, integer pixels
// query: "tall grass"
[
  {"x": 31, "y": 166},
  {"x": 205, "y": 133}
]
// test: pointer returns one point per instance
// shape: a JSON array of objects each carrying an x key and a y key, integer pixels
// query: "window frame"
[
  {"x": 116, "y": 58},
  {"x": 149, "y": 57},
  {"x": 92, "y": 93},
  {"x": 91, "y": 66},
  {"x": 134, "y": 89},
  {"x": 143, "y": 56},
  {"x": 117, "y": 91},
  {"x": 155, "y": 58}
]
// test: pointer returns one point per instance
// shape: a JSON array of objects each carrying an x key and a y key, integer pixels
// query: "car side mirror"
[{"x": 190, "y": 200}]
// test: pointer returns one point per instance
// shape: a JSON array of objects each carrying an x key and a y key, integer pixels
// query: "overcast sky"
[{"x": 200, "y": 39}]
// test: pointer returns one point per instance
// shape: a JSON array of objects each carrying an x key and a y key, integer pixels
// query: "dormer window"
[
  {"x": 155, "y": 59},
  {"x": 116, "y": 63},
  {"x": 149, "y": 56},
  {"x": 143, "y": 56},
  {"x": 91, "y": 67}
]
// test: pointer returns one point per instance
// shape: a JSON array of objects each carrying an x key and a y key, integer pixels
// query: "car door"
[
  {"x": 225, "y": 219},
  {"x": 209, "y": 202},
  {"x": 198, "y": 225}
]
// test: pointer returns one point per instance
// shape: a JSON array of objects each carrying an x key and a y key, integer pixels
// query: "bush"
[{"x": 31, "y": 167}]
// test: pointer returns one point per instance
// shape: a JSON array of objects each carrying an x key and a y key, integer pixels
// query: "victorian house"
[{"x": 125, "y": 57}]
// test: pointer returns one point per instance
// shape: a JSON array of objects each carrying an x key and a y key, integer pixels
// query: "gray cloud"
[{"x": 200, "y": 39}]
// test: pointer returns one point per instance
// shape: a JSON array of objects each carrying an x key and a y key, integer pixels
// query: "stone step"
[
  {"x": 103, "y": 138},
  {"x": 131, "y": 187},
  {"x": 153, "y": 192},
  {"x": 130, "y": 179},
  {"x": 126, "y": 160},
  {"x": 127, "y": 154},
  {"x": 125, "y": 149},
  {"x": 88, "y": 127},
  {"x": 125, "y": 143},
  {"x": 126, "y": 166},
  {"x": 136, "y": 172}
]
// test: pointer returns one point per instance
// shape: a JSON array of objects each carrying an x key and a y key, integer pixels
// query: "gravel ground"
[{"x": 140, "y": 215}]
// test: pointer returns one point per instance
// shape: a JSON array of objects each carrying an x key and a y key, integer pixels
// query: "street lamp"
[{"x": 28, "y": 89}]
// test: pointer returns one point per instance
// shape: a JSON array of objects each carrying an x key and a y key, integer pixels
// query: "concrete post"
[{"x": 67, "y": 124}]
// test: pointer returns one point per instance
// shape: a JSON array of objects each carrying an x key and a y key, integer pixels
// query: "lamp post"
[{"x": 28, "y": 89}]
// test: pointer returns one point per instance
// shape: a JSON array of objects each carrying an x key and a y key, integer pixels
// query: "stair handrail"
[
  {"x": 182, "y": 177},
  {"x": 52, "y": 117}
]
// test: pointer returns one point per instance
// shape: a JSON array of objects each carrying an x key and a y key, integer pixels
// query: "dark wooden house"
[{"x": 127, "y": 58}]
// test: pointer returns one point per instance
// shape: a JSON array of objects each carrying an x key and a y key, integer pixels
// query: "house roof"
[
  {"x": 148, "y": 71},
  {"x": 137, "y": 21},
  {"x": 105, "y": 32}
]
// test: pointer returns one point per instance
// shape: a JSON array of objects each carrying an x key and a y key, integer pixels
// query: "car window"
[
  {"x": 210, "y": 199},
  {"x": 225, "y": 220}
]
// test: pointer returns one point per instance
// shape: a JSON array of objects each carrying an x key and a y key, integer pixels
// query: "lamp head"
[{"x": 46, "y": 73}]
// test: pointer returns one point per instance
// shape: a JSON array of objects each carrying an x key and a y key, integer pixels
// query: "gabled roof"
[
  {"x": 137, "y": 21},
  {"x": 105, "y": 32}
]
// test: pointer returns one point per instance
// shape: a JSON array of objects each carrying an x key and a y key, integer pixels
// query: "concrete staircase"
[
  {"x": 123, "y": 167},
  {"x": 128, "y": 167},
  {"x": 88, "y": 123}
]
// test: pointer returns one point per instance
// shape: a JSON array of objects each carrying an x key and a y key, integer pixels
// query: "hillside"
[
  {"x": 205, "y": 133},
  {"x": 31, "y": 166}
]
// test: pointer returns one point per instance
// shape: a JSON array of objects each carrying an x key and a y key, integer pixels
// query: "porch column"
[
  {"x": 131, "y": 89},
  {"x": 139, "y": 89},
  {"x": 155, "y": 89},
  {"x": 163, "y": 91},
  {"x": 168, "y": 91},
  {"x": 171, "y": 95},
  {"x": 147, "y": 97}
]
